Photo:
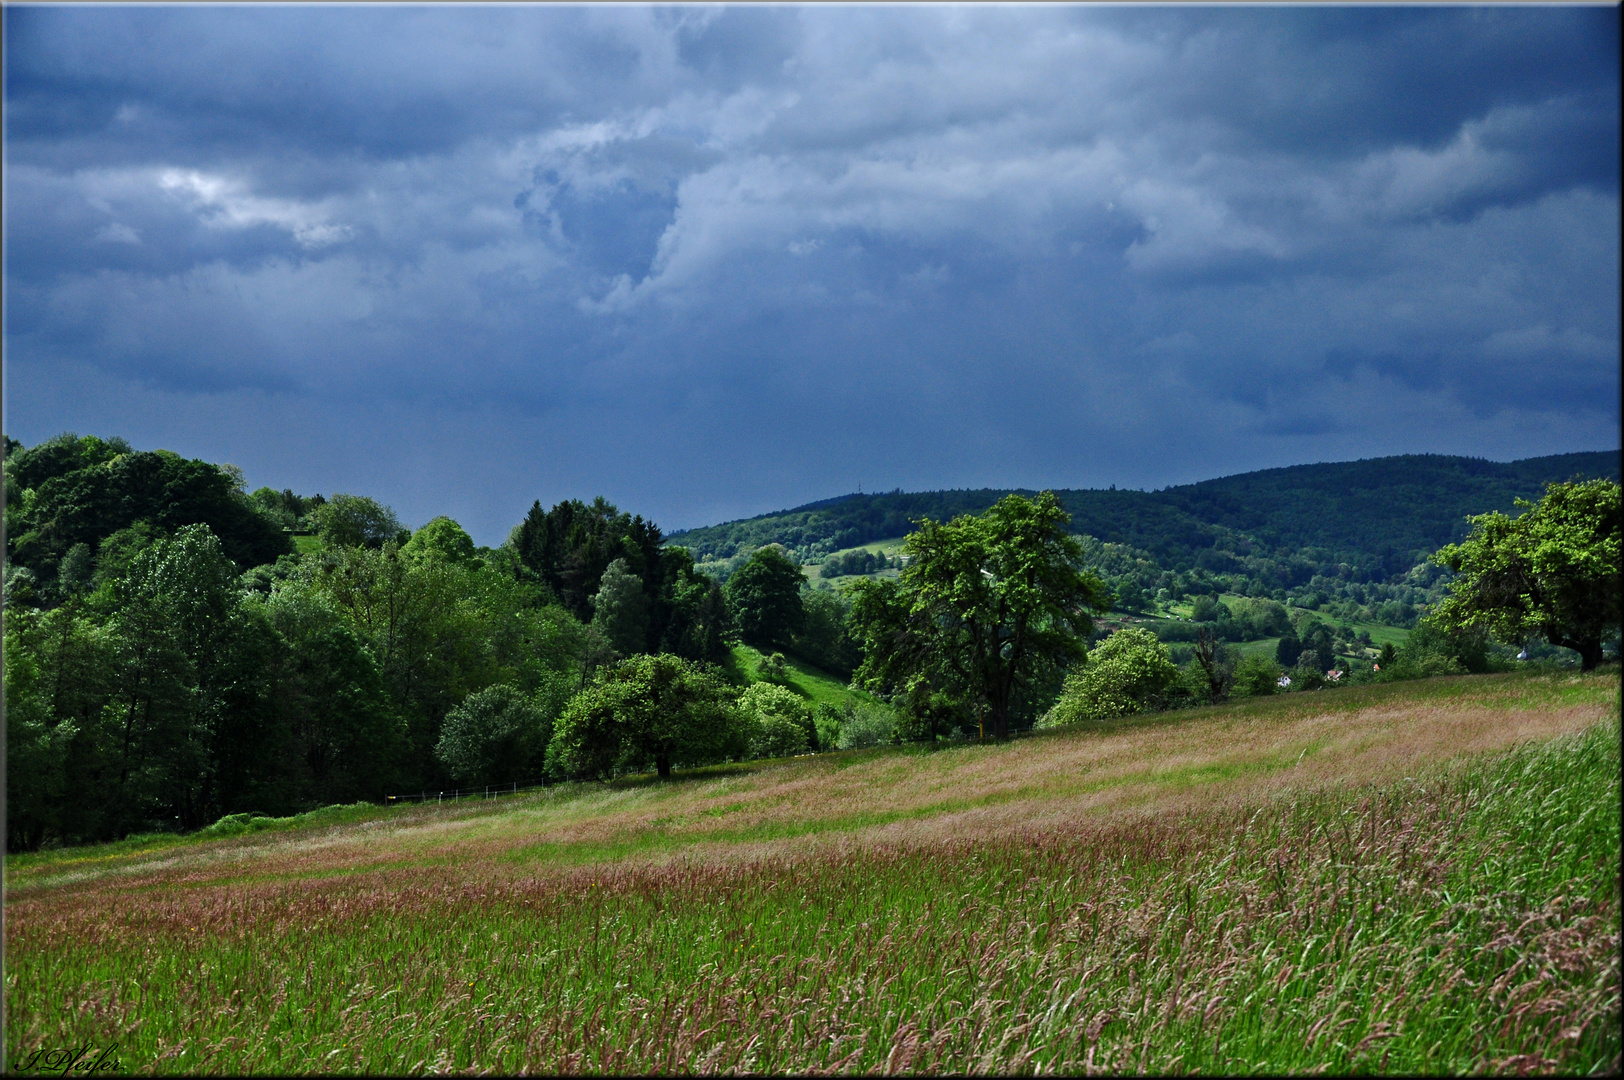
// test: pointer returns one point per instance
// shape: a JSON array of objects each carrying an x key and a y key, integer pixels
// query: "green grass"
[
  {"x": 888, "y": 547},
  {"x": 307, "y": 545},
  {"x": 813, "y": 684},
  {"x": 1380, "y": 634},
  {"x": 148, "y": 843},
  {"x": 1462, "y": 916}
]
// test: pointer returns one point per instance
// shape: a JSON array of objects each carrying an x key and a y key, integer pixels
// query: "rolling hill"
[{"x": 1368, "y": 520}]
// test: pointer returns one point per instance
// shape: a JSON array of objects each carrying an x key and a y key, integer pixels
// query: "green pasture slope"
[
  {"x": 812, "y": 684},
  {"x": 1416, "y": 877}
]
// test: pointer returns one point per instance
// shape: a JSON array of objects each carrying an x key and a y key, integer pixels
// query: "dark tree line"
[
  {"x": 569, "y": 548},
  {"x": 170, "y": 658}
]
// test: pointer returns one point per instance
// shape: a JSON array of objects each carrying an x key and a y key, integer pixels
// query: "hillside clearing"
[{"x": 813, "y": 684}]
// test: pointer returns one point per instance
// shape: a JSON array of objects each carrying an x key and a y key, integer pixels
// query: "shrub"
[
  {"x": 494, "y": 737},
  {"x": 774, "y": 668},
  {"x": 867, "y": 725},
  {"x": 781, "y": 725},
  {"x": 648, "y": 710},
  {"x": 779, "y": 736},
  {"x": 1128, "y": 672},
  {"x": 826, "y": 722}
]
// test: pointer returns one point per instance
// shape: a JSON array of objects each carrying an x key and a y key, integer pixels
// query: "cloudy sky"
[{"x": 712, "y": 262}]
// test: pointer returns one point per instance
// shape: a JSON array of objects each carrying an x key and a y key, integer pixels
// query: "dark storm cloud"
[{"x": 712, "y": 261}]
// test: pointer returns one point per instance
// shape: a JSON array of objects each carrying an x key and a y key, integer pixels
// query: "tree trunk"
[
  {"x": 662, "y": 765},
  {"x": 1589, "y": 649},
  {"x": 1000, "y": 718}
]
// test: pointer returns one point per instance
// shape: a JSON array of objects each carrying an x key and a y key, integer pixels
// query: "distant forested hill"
[{"x": 1361, "y": 521}]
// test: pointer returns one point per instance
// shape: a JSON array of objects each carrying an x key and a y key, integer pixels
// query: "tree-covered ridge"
[
  {"x": 1381, "y": 516},
  {"x": 74, "y": 492}
]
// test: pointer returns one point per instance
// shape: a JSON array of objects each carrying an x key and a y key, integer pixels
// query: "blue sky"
[{"x": 711, "y": 262}]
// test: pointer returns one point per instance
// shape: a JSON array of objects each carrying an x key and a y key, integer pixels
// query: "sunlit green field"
[
  {"x": 1414, "y": 877},
  {"x": 889, "y": 547},
  {"x": 806, "y": 681}
]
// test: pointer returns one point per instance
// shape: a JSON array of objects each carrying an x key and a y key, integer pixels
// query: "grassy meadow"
[{"x": 1418, "y": 877}]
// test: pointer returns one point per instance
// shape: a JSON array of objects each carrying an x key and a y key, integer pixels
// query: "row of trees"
[
  {"x": 172, "y": 658},
  {"x": 169, "y": 688},
  {"x": 156, "y": 679}
]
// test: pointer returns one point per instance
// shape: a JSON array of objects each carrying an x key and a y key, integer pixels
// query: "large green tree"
[
  {"x": 570, "y": 546},
  {"x": 356, "y": 521},
  {"x": 648, "y": 710},
  {"x": 620, "y": 610},
  {"x": 825, "y": 640},
  {"x": 1553, "y": 571},
  {"x": 765, "y": 597},
  {"x": 443, "y": 538},
  {"x": 494, "y": 737},
  {"x": 697, "y": 620},
  {"x": 987, "y": 608},
  {"x": 1128, "y": 672},
  {"x": 440, "y": 630}
]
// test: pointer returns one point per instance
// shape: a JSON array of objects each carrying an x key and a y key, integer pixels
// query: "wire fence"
[{"x": 454, "y": 795}]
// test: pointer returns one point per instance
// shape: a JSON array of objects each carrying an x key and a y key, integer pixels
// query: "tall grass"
[{"x": 1464, "y": 919}]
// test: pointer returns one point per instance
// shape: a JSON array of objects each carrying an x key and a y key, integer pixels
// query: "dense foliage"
[
  {"x": 765, "y": 598},
  {"x": 1128, "y": 672},
  {"x": 649, "y": 710},
  {"x": 988, "y": 609},
  {"x": 66, "y": 496},
  {"x": 170, "y": 659},
  {"x": 1553, "y": 571},
  {"x": 569, "y": 549}
]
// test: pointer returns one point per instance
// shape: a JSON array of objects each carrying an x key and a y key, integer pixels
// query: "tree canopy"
[
  {"x": 986, "y": 607},
  {"x": 660, "y": 710},
  {"x": 765, "y": 595},
  {"x": 494, "y": 736},
  {"x": 76, "y": 490},
  {"x": 170, "y": 657},
  {"x": 441, "y": 538},
  {"x": 1554, "y": 570},
  {"x": 1127, "y": 673},
  {"x": 569, "y": 548},
  {"x": 356, "y": 521}
]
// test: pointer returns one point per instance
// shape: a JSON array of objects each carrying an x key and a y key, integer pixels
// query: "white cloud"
[{"x": 223, "y": 202}]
